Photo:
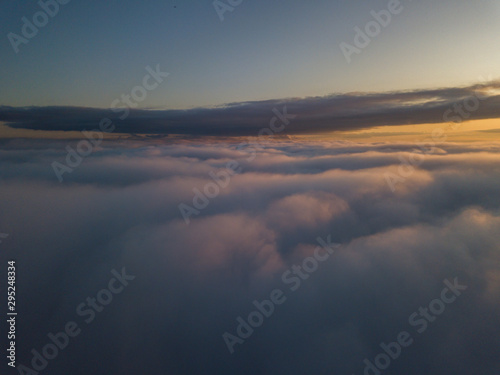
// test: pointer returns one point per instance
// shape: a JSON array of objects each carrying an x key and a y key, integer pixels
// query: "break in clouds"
[{"x": 196, "y": 281}]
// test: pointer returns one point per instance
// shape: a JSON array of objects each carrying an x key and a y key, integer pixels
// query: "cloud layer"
[
  {"x": 120, "y": 208},
  {"x": 313, "y": 114}
]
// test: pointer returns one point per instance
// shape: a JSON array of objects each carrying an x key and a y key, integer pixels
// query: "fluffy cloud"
[{"x": 119, "y": 208}]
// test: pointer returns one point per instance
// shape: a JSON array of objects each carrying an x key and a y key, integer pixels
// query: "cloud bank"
[
  {"x": 120, "y": 208},
  {"x": 314, "y": 114}
]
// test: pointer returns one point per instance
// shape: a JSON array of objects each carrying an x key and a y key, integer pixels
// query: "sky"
[
  {"x": 91, "y": 52},
  {"x": 283, "y": 187}
]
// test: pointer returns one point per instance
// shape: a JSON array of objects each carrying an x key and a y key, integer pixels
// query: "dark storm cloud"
[
  {"x": 120, "y": 208},
  {"x": 314, "y": 114}
]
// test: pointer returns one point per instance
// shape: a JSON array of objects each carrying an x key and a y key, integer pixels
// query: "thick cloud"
[
  {"x": 120, "y": 208},
  {"x": 313, "y": 114}
]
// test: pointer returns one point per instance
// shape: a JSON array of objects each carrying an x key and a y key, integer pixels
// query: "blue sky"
[{"x": 91, "y": 52}]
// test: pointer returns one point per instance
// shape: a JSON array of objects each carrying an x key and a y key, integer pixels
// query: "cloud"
[
  {"x": 314, "y": 114},
  {"x": 119, "y": 208},
  {"x": 305, "y": 210}
]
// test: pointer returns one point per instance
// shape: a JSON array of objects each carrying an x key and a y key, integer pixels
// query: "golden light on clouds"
[{"x": 469, "y": 131}]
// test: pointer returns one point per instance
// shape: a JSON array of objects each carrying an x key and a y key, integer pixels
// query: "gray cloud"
[{"x": 314, "y": 114}]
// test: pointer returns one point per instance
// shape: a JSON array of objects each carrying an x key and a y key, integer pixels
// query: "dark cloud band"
[{"x": 313, "y": 114}]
